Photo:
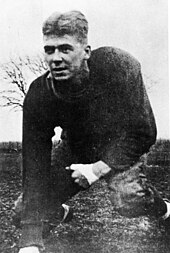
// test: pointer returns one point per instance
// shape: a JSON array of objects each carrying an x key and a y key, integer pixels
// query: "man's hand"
[
  {"x": 83, "y": 174},
  {"x": 87, "y": 174},
  {"x": 31, "y": 249}
]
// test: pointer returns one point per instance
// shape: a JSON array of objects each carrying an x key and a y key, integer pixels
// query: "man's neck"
[{"x": 74, "y": 87}]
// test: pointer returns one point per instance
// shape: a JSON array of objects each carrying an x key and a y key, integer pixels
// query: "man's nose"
[{"x": 57, "y": 57}]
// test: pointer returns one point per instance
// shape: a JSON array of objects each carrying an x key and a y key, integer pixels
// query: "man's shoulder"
[
  {"x": 115, "y": 57},
  {"x": 40, "y": 79},
  {"x": 36, "y": 89},
  {"x": 38, "y": 83}
]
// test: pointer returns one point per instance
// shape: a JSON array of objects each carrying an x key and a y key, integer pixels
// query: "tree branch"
[{"x": 16, "y": 73}]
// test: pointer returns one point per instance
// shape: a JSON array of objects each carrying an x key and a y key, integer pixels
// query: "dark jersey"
[{"x": 110, "y": 120}]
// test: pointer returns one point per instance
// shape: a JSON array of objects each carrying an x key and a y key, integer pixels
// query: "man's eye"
[
  {"x": 49, "y": 50},
  {"x": 65, "y": 50}
]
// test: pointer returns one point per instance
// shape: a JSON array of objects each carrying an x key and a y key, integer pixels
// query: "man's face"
[{"x": 64, "y": 56}]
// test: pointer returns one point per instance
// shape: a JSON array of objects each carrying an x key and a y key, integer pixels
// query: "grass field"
[{"x": 96, "y": 226}]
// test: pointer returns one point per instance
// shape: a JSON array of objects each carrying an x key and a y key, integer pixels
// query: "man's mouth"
[{"x": 59, "y": 69}]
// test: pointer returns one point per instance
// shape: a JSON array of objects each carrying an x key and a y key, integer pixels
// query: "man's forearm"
[{"x": 36, "y": 175}]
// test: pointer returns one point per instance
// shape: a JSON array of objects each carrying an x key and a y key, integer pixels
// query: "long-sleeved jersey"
[{"x": 110, "y": 119}]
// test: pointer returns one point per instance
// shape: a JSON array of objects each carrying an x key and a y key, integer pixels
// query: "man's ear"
[{"x": 87, "y": 52}]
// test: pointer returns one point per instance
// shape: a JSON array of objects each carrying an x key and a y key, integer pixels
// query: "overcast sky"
[{"x": 137, "y": 26}]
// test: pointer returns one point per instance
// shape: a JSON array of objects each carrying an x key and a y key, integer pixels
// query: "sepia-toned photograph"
[{"x": 84, "y": 126}]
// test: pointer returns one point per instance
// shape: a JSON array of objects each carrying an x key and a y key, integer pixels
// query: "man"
[{"x": 99, "y": 100}]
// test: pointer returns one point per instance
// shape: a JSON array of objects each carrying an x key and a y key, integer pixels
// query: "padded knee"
[{"x": 130, "y": 192}]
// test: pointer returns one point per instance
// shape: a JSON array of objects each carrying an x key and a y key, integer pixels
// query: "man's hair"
[{"x": 72, "y": 23}]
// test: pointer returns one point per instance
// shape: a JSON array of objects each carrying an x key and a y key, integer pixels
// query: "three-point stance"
[{"x": 99, "y": 100}]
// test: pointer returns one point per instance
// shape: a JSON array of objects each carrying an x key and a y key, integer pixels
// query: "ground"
[{"x": 96, "y": 226}]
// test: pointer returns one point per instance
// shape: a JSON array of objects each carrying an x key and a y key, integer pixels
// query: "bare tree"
[{"x": 16, "y": 75}]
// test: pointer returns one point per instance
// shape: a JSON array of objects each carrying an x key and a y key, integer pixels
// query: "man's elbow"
[{"x": 151, "y": 137}]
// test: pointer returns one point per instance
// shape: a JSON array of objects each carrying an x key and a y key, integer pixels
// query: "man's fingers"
[
  {"x": 76, "y": 174},
  {"x": 74, "y": 167},
  {"x": 68, "y": 168}
]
